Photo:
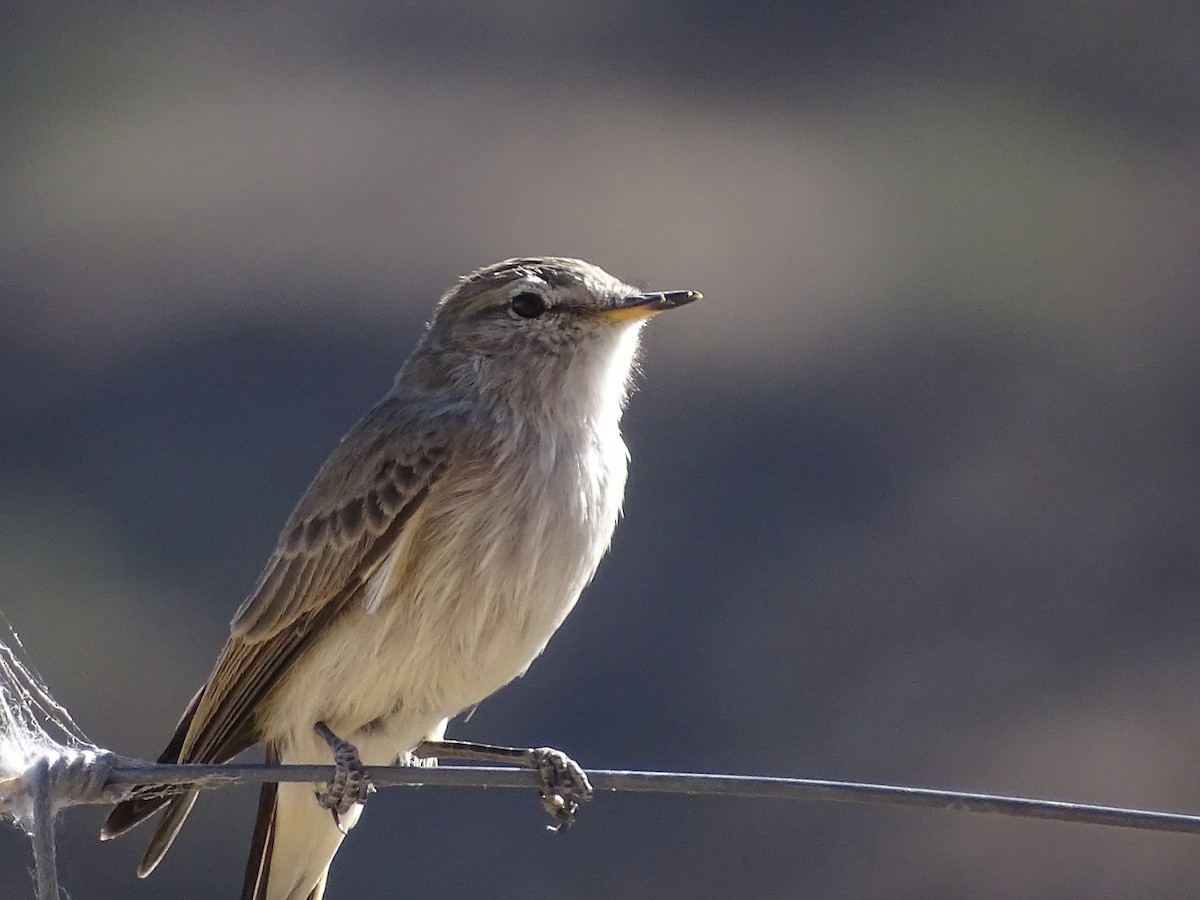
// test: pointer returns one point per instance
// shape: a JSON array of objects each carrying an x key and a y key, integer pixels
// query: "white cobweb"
[{"x": 33, "y": 727}]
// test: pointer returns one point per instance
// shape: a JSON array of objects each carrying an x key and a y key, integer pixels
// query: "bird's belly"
[{"x": 467, "y": 600}]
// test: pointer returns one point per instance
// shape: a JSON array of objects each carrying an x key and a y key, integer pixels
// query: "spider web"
[{"x": 33, "y": 725}]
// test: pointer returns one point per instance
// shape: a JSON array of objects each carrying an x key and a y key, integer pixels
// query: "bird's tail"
[
  {"x": 294, "y": 842},
  {"x": 135, "y": 810}
]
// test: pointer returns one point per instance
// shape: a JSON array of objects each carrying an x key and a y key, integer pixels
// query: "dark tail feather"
[
  {"x": 258, "y": 866},
  {"x": 177, "y": 810},
  {"x": 131, "y": 812}
]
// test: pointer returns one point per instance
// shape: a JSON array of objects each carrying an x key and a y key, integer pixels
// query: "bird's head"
[{"x": 542, "y": 330}]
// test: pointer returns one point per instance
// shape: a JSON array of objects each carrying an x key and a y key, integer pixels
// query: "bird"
[{"x": 432, "y": 557}]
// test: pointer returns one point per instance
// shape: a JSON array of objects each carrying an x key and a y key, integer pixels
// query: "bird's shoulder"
[
  {"x": 388, "y": 455},
  {"x": 355, "y": 508}
]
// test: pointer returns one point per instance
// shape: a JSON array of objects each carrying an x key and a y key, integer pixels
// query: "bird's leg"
[
  {"x": 350, "y": 783},
  {"x": 564, "y": 785}
]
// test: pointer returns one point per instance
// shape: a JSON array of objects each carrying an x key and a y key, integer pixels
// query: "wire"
[{"x": 128, "y": 774}]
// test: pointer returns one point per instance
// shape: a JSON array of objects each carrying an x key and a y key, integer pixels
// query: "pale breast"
[
  {"x": 487, "y": 570},
  {"x": 502, "y": 557}
]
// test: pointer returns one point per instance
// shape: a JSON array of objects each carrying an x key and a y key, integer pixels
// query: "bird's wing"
[{"x": 345, "y": 525}]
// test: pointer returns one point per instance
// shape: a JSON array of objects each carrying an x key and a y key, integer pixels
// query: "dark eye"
[{"x": 527, "y": 305}]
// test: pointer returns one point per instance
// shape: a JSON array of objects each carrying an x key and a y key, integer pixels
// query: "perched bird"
[{"x": 433, "y": 556}]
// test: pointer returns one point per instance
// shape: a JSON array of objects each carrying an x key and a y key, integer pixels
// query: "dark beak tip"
[{"x": 673, "y": 299}]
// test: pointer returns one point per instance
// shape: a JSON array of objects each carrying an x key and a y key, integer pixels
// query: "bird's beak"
[{"x": 643, "y": 306}]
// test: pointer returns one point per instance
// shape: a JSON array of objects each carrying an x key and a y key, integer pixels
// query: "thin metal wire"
[
  {"x": 131, "y": 773},
  {"x": 128, "y": 777}
]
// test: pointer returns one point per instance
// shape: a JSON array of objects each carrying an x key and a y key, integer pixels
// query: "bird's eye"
[{"x": 527, "y": 305}]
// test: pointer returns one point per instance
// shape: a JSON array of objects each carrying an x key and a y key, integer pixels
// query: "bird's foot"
[
  {"x": 564, "y": 785},
  {"x": 350, "y": 784}
]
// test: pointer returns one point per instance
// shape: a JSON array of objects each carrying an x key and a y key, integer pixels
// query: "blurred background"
[{"x": 914, "y": 491}]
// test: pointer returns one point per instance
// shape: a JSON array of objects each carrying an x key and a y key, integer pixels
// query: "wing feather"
[{"x": 343, "y": 528}]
